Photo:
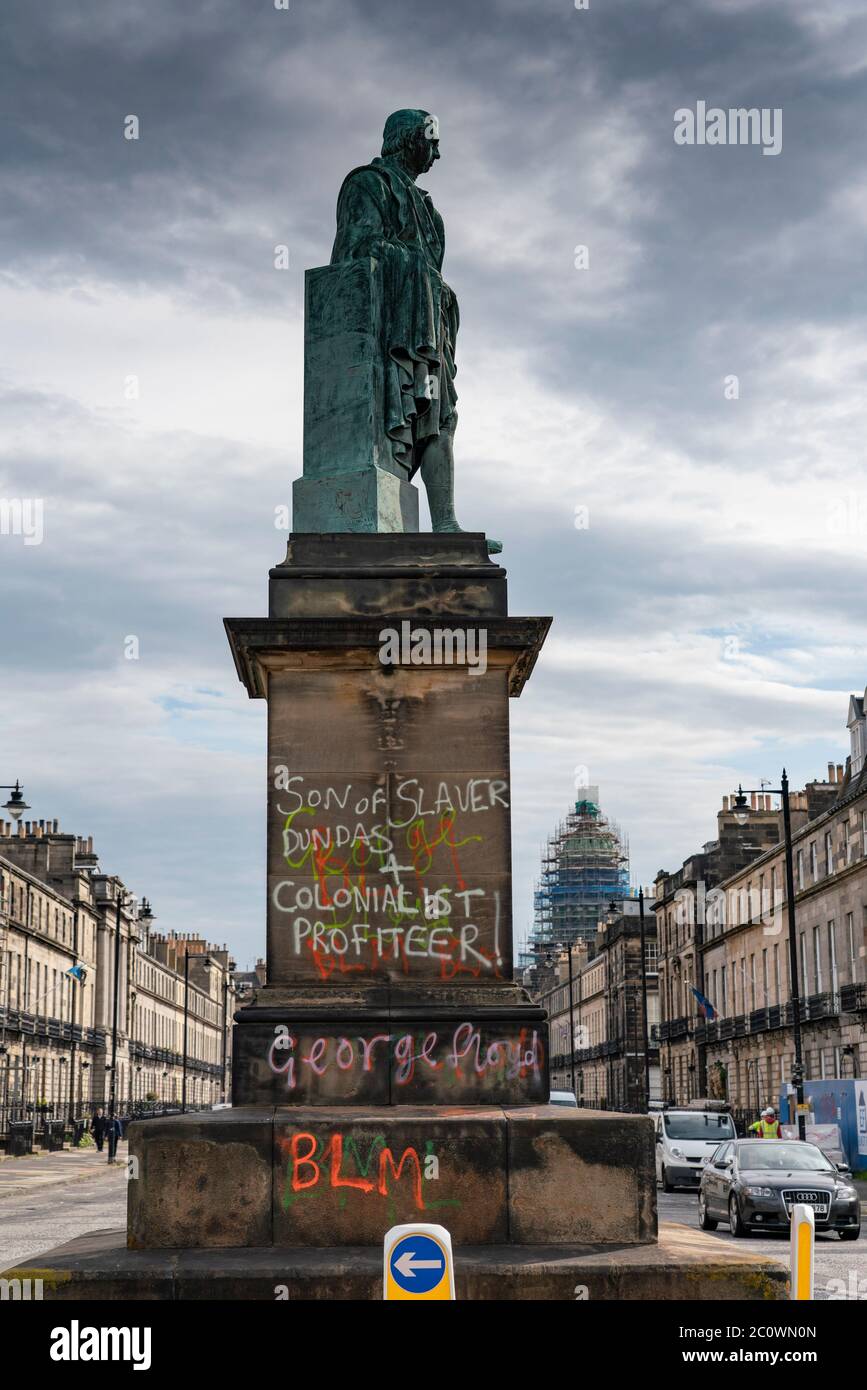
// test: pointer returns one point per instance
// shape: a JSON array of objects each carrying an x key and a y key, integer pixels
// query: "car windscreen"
[
  {"x": 685, "y": 1125},
  {"x": 768, "y": 1156}
]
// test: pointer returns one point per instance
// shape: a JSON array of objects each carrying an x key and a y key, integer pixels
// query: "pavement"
[
  {"x": 31, "y": 1172},
  {"x": 73, "y": 1193}
]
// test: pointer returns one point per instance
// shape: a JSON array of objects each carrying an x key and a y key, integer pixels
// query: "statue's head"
[{"x": 413, "y": 138}]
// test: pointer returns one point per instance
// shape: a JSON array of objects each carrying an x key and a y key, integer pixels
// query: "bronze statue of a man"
[{"x": 381, "y": 212}]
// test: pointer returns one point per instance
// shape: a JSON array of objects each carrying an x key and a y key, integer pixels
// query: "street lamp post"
[
  {"x": 206, "y": 965},
  {"x": 223, "y": 1040},
  {"x": 112, "y": 1085},
  {"x": 644, "y": 1000},
  {"x": 742, "y": 813},
  {"x": 186, "y": 1021},
  {"x": 561, "y": 946},
  {"x": 571, "y": 1021}
]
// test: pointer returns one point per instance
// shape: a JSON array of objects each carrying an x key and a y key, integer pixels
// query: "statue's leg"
[{"x": 438, "y": 476}]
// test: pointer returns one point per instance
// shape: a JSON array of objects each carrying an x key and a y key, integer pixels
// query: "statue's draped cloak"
[{"x": 381, "y": 213}]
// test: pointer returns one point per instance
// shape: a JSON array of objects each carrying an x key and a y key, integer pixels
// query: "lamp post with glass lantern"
[
  {"x": 549, "y": 960},
  {"x": 741, "y": 813},
  {"x": 206, "y": 965},
  {"x": 16, "y": 805}
]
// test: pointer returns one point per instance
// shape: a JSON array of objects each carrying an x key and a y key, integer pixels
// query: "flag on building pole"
[
  {"x": 705, "y": 1007},
  {"x": 78, "y": 973}
]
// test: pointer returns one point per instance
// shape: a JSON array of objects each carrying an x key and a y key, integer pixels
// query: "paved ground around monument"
[
  {"x": 836, "y": 1260},
  {"x": 56, "y": 1206},
  {"x": 48, "y": 1199},
  {"x": 21, "y": 1175}
]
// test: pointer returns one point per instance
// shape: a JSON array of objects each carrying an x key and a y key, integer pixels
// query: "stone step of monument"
[{"x": 685, "y": 1264}]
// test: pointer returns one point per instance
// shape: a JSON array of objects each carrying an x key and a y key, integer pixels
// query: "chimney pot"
[
  {"x": 725, "y": 803},
  {"x": 839, "y": 772},
  {"x": 54, "y": 825},
  {"x": 752, "y": 801}
]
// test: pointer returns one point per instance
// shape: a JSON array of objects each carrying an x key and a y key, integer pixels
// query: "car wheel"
[
  {"x": 850, "y": 1233},
  {"x": 666, "y": 1185},
  {"x": 737, "y": 1226},
  {"x": 706, "y": 1222}
]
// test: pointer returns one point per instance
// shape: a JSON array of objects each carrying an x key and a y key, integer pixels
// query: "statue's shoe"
[{"x": 494, "y": 547}]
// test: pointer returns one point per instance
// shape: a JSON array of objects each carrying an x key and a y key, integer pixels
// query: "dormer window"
[{"x": 857, "y": 725}]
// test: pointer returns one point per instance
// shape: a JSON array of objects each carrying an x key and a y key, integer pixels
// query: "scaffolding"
[{"x": 585, "y": 866}]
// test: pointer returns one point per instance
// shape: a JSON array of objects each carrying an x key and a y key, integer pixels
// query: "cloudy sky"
[{"x": 709, "y": 618}]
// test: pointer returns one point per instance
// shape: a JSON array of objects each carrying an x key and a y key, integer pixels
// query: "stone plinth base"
[
  {"x": 373, "y": 500},
  {"x": 340, "y": 1176},
  {"x": 410, "y": 576},
  {"x": 684, "y": 1265}
]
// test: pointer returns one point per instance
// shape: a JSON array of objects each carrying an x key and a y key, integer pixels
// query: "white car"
[
  {"x": 685, "y": 1141},
  {"x": 562, "y": 1098}
]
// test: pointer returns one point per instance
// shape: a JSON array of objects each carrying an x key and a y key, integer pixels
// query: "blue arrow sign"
[{"x": 417, "y": 1264}]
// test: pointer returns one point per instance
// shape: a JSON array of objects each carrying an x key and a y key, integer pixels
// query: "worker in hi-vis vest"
[{"x": 768, "y": 1127}]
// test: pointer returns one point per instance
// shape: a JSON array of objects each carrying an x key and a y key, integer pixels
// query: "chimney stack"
[{"x": 839, "y": 772}]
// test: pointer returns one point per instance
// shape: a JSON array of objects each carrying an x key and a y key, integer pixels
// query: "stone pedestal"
[{"x": 389, "y": 859}]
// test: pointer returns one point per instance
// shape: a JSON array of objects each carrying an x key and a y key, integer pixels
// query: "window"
[
  {"x": 817, "y": 960},
  {"x": 765, "y": 1000},
  {"x": 864, "y": 832},
  {"x": 832, "y": 956},
  {"x": 801, "y": 879},
  {"x": 814, "y": 861},
  {"x": 724, "y": 1003},
  {"x": 744, "y": 999},
  {"x": 850, "y": 938},
  {"x": 829, "y": 852},
  {"x": 777, "y": 981},
  {"x": 763, "y": 902},
  {"x": 848, "y": 847},
  {"x": 803, "y": 962},
  {"x": 755, "y": 1003}
]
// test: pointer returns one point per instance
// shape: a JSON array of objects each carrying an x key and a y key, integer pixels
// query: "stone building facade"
[
  {"x": 723, "y": 929},
  {"x": 607, "y": 1014},
  {"x": 61, "y": 920},
  {"x": 750, "y": 1048},
  {"x": 157, "y": 1049}
]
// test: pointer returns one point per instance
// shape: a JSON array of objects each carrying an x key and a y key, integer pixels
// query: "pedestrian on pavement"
[
  {"x": 768, "y": 1126},
  {"x": 114, "y": 1131},
  {"x": 98, "y": 1126}
]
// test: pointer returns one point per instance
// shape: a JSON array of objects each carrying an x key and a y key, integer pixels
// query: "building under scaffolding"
[{"x": 585, "y": 866}]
